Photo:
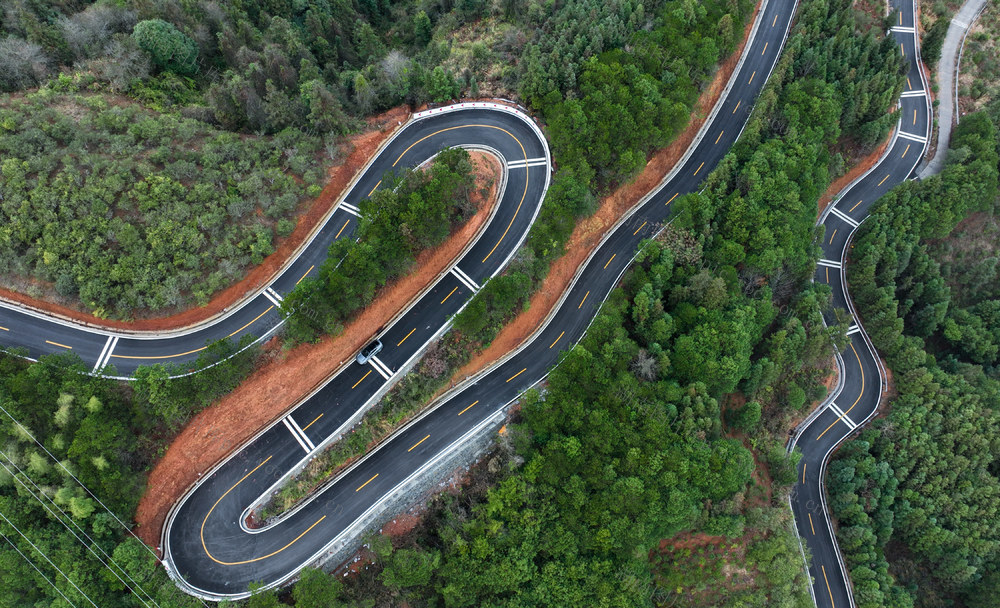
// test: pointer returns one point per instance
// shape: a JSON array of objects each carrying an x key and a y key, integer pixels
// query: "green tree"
[{"x": 169, "y": 48}]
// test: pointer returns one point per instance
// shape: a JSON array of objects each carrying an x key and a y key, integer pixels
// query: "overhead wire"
[{"x": 40, "y": 573}]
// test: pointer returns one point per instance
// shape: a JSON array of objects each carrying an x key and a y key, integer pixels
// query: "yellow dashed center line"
[
  {"x": 832, "y": 235},
  {"x": 341, "y": 230},
  {"x": 827, "y": 275},
  {"x": 883, "y": 180},
  {"x": 583, "y": 300},
  {"x": 57, "y": 344},
  {"x": 511, "y": 378},
  {"x": 908, "y": 85},
  {"x": 449, "y": 294},
  {"x": 611, "y": 258},
  {"x": 828, "y": 586},
  {"x": 416, "y": 444},
  {"x": 641, "y": 227},
  {"x": 719, "y": 137},
  {"x": 308, "y": 271},
  {"x": 901, "y": 51},
  {"x": 765, "y": 48},
  {"x": 775, "y": 21},
  {"x": 375, "y": 188},
  {"x": 4, "y": 328},
  {"x": 366, "y": 483},
  {"x": 557, "y": 339},
  {"x": 699, "y": 168},
  {"x": 672, "y": 198},
  {"x": 811, "y": 527},
  {"x": 362, "y": 379},
  {"x": 400, "y": 343},
  {"x": 804, "y": 465},
  {"x": 854, "y": 207},
  {"x": 313, "y": 422},
  {"x": 751, "y": 77},
  {"x": 737, "y": 106},
  {"x": 905, "y": 151},
  {"x": 914, "y": 117},
  {"x": 475, "y": 402}
]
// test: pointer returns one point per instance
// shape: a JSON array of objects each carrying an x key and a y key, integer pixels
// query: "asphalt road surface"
[
  {"x": 863, "y": 378},
  {"x": 207, "y": 546}
]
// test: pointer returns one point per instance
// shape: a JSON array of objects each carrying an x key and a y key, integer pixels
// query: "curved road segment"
[
  {"x": 208, "y": 549},
  {"x": 862, "y": 376}
]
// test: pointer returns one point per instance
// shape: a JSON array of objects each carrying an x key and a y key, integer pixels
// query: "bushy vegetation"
[
  {"x": 411, "y": 212},
  {"x": 920, "y": 487},
  {"x": 107, "y": 435},
  {"x": 130, "y": 210},
  {"x": 979, "y": 84}
]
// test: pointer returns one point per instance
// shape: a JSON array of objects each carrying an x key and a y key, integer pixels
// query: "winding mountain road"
[
  {"x": 207, "y": 547},
  {"x": 862, "y": 377}
]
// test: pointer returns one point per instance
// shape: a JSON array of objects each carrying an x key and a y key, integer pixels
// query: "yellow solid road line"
[
  {"x": 308, "y": 271},
  {"x": 473, "y": 403},
  {"x": 643, "y": 225},
  {"x": 737, "y": 106},
  {"x": 854, "y": 207},
  {"x": 611, "y": 258},
  {"x": 339, "y": 231},
  {"x": 400, "y": 343},
  {"x": 557, "y": 339},
  {"x": 366, "y": 483},
  {"x": 811, "y": 527},
  {"x": 57, "y": 344},
  {"x": 828, "y": 586},
  {"x": 418, "y": 443},
  {"x": 672, "y": 198},
  {"x": 449, "y": 294},
  {"x": 375, "y": 188},
  {"x": 883, "y": 180},
  {"x": 848, "y": 410},
  {"x": 765, "y": 48},
  {"x": 583, "y": 300},
  {"x": 256, "y": 559},
  {"x": 751, "y": 77},
  {"x": 362, "y": 379},
  {"x": 832, "y": 235},
  {"x": 699, "y": 168},
  {"x": 905, "y": 151},
  {"x": 511, "y": 378},
  {"x": 313, "y": 422},
  {"x": 719, "y": 137}
]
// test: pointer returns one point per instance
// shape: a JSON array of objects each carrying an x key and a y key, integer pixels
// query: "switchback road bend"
[
  {"x": 863, "y": 378},
  {"x": 206, "y": 546}
]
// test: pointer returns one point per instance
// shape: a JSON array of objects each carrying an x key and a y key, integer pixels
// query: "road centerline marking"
[
  {"x": 609, "y": 259},
  {"x": 400, "y": 343},
  {"x": 313, "y": 422},
  {"x": 339, "y": 231},
  {"x": 517, "y": 374},
  {"x": 449, "y": 294},
  {"x": 367, "y": 482},
  {"x": 583, "y": 300},
  {"x": 362, "y": 378},
  {"x": 470, "y": 405},
  {"x": 59, "y": 345},
  {"x": 417, "y": 443},
  {"x": 557, "y": 339},
  {"x": 811, "y": 527}
]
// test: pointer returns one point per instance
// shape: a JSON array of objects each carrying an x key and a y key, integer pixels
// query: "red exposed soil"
[
  {"x": 362, "y": 147},
  {"x": 590, "y": 231},
  {"x": 856, "y": 171},
  {"x": 287, "y": 377}
]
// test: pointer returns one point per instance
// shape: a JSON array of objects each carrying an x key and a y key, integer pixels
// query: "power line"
[
  {"x": 39, "y": 551},
  {"x": 25, "y": 430},
  {"x": 89, "y": 546},
  {"x": 40, "y": 573}
]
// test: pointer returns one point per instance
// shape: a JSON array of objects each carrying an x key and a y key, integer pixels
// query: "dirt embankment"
[
  {"x": 590, "y": 231},
  {"x": 361, "y": 148},
  {"x": 287, "y": 377},
  {"x": 863, "y": 164}
]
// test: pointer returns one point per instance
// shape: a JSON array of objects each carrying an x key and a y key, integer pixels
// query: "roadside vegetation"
[
  {"x": 916, "y": 495},
  {"x": 412, "y": 211},
  {"x": 106, "y": 435},
  {"x": 979, "y": 81}
]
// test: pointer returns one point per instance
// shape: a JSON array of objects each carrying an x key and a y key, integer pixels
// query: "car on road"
[{"x": 369, "y": 351}]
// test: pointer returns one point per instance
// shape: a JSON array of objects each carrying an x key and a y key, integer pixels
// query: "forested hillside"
[
  {"x": 613, "y": 81},
  {"x": 917, "y": 494}
]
